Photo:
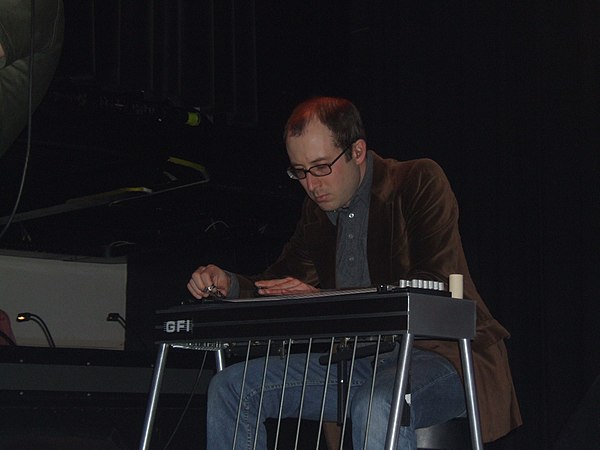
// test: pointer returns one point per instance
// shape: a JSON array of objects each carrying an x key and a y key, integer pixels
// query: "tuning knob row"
[{"x": 423, "y": 284}]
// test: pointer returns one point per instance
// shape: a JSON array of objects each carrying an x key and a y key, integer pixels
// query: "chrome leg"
[
  {"x": 159, "y": 369},
  {"x": 400, "y": 384},
  {"x": 220, "y": 360},
  {"x": 471, "y": 393}
]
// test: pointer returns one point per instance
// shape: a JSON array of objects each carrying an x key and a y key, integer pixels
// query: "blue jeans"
[{"x": 436, "y": 396}]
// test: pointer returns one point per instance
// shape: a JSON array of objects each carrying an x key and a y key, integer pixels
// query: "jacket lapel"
[{"x": 379, "y": 239}]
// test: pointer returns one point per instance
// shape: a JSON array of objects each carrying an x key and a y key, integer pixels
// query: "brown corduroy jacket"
[{"x": 413, "y": 233}]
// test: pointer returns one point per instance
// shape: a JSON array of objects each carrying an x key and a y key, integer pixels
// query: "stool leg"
[
  {"x": 471, "y": 393},
  {"x": 400, "y": 384},
  {"x": 159, "y": 369}
]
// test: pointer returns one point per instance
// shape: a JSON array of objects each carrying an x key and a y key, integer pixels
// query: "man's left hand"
[{"x": 284, "y": 286}]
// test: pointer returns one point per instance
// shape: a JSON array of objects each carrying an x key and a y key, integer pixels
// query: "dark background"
[{"x": 504, "y": 95}]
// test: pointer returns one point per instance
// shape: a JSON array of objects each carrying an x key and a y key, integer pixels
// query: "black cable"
[
  {"x": 27, "y": 316},
  {"x": 116, "y": 317},
  {"x": 7, "y": 338},
  {"x": 189, "y": 402},
  {"x": 48, "y": 335},
  {"x": 29, "y": 126},
  {"x": 45, "y": 329}
]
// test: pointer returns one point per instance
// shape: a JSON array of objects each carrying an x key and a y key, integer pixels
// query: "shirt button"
[
  {"x": 351, "y": 215},
  {"x": 350, "y": 236},
  {"x": 351, "y": 258}
]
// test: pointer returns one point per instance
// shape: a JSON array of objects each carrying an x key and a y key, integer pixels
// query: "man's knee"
[
  {"x": 378, "y": 405},
  {"x": 225, "y": 383}
]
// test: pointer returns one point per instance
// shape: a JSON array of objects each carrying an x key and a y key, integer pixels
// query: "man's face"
[{"x": 316, "y": 146}]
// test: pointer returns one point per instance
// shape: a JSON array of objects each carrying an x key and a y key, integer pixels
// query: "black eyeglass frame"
[{"x": 293, "y": 171}]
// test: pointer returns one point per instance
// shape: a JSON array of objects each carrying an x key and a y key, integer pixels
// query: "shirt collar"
[{"x": 362, "y": 197}]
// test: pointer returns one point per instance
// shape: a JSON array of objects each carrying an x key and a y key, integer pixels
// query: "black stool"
[{"x": 452, "y": 435}]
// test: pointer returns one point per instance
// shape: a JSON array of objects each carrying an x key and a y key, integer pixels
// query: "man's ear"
[{"x": 359, "y": 151}]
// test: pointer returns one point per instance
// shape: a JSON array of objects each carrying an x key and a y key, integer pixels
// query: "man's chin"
[{"x": 327, "y": 206}]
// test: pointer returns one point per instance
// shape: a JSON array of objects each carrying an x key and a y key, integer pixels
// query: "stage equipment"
[
  {"x": 26, "y": 317},
  {"x": 116, "y": 317},
  {"x": 395, "y": 313}
]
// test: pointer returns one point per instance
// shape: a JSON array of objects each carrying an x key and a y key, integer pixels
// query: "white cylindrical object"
[{"x": 455, "y": 284}]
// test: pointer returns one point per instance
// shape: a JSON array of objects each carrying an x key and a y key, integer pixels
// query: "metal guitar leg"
[
  {"x": 220, "y": 360},
  {"x": 400, "y": 383},
  {"x": 159, "y": 369},
  {"x": 471, "y": 393}
]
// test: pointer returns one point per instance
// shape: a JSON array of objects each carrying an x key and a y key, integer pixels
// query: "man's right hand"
[{"x": 206, "y": 278}]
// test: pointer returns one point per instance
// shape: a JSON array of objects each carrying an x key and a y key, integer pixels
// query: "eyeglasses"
[{"x": 320, "y": 170}]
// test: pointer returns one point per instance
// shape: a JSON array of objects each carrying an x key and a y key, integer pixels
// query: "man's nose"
[{"x": 311, "y": 181}]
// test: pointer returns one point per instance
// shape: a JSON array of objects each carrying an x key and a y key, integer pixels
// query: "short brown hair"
[{"x": 337, "y": 114}]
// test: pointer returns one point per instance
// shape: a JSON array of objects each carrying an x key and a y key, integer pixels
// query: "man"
[{"x": 366, "y": 221}]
